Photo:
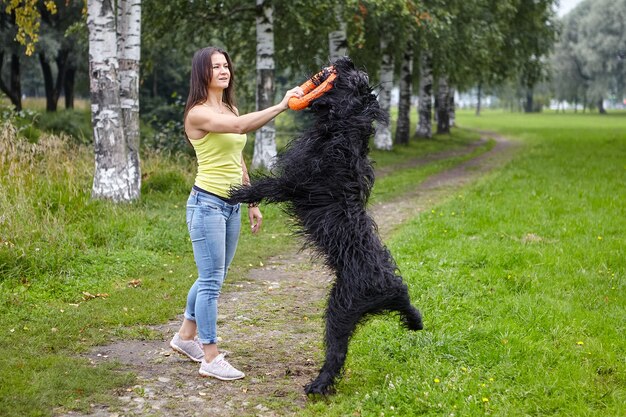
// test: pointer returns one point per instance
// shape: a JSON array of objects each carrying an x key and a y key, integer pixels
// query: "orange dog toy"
[{"x": 313, "y": 89}]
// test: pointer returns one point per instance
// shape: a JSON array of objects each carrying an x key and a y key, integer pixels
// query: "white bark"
[
  {"x": 424, "y": 126},
  {"x": 265, "y": 137},
  {"x": 403, "y": 126},
  {"x": 452, "y": 107},
  {"x": 382, "y": 137},
  {"x": 338, "y": 40},
  {"x": 129, "y": 55},
  {"x": 443, "y": 112},
  {"x": 114, "y": 177}
]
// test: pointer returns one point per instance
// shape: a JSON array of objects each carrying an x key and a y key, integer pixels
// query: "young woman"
[{"x": 217, "y": 133}]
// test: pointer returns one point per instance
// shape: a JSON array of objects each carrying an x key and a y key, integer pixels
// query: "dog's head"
[{"x": 351, "y": 100}]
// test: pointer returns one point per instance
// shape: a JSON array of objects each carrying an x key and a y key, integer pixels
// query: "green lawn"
[
  {"x": 520, "y": 279},
  {"x": 521, "y": 283}
]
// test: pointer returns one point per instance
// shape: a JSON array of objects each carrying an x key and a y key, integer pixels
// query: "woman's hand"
[
  {"x": 256, "y": 219},
  {"x": 294, "y": 92}
]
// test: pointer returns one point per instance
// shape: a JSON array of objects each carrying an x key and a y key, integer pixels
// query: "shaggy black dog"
[{"x": 324, "y": 177}]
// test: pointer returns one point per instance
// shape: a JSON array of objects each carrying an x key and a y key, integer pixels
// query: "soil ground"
[{"x": 270, "y": 321}]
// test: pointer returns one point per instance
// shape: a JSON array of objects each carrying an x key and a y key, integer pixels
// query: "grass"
[
  {"x": 521, "y": 282},
  {"x": 75, "y": 272},
  {"x": 520, "y": 278}
]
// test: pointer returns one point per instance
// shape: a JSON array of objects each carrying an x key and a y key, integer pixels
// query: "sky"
[{"x": 566, "y": 6}]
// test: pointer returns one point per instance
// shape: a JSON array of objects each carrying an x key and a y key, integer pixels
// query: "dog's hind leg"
[
  {"x": 400, "y": 302},
  {"x": 410, "y": 316},
  {"x": 340, "y": 324}
]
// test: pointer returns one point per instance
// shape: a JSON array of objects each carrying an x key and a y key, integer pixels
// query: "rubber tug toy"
[{"x": 313, "y": 88}]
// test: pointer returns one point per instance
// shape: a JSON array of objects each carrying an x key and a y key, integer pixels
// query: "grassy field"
[
  {"x": 520, "y": 278},
  {"x": 521, "y": 281},
  {"x": 75, "y": 272}
]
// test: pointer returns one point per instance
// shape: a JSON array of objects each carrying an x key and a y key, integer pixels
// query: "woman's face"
[{"x": 220, "y": 76}]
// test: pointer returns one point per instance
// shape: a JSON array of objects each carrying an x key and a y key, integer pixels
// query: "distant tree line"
[
  {"x": 431, "y": 48},
  {"x": 588, "y": 63}
]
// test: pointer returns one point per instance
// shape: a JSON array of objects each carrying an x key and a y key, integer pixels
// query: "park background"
[{"x": 521, "y": 275}]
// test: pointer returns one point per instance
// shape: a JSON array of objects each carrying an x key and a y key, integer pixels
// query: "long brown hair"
[{"x": 201, "y": 75}]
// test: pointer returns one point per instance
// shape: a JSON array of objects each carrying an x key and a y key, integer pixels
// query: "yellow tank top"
[{"x": 219, "y": 161}]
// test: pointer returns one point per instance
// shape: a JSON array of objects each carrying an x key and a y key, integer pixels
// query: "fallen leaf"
[{"x": 89, "y": 296}]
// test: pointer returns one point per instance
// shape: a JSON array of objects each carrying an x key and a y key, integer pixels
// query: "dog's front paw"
[{"x": 240, "y": 194}]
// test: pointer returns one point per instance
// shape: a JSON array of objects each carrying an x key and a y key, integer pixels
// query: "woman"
[{"x": 217, "y": 134}]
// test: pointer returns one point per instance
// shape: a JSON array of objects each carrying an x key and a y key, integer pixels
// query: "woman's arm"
[{"x": 204, "y": 119}]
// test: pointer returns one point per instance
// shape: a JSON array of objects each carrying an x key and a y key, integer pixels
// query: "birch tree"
[
  {"x": 117, "y": 173},
  {"x": 129, "y": 55},
  {"x": 403, "y": 125},
  {"x": 265, "y": 137},
  {"x": 338, "y": 39},
  {"x": 425, "y": 108},
  {"x": 443, "y": 113},
  {"x": 451, "y": 107},
  {"x": 382, "y": 137}
]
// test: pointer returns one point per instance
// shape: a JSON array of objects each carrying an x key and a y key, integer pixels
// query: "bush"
[
  {"x": 164, "y": 125},
  {"x": 30, "y": 124},
  {"x": 74, "y": 123},
  {"x": 23, "y": 121},
  {"x": 165, "y": 182}
]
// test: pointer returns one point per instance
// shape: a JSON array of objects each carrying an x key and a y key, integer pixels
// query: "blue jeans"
[{"x": 214, "y": 230}]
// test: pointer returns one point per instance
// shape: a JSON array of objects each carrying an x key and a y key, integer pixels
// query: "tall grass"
[{"x": 521, "y": 281}]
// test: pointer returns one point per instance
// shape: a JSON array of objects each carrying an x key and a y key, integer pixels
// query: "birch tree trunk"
[
  {"x": 425, "y": 109},
  {"x": 265, "y": 137},
  {"x": 338, "y": 40},
  {"x": 451, "y": 107},
  {"x": 443, "y": 115},
  {"x": 112, "y": 176},
  {"x": 403, "y": 125},
  {"x": 129, "y": 55},
  {"x": 479, "y": 93},
  {"x": 382, "y": 137}
]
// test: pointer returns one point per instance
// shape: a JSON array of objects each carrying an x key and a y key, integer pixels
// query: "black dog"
[{"x": 324, "y": 177}]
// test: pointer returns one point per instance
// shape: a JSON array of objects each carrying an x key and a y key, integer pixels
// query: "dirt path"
[{"x": 269, "y": 320}]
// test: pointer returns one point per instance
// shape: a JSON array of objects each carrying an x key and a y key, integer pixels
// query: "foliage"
[
  {"x": 483, "y": 41},
  {"x": 73, "y": 124},
  {"x": 28, "y": 20},
  {"x": 166, "y": 125},
  {"x": 22, "y": 121}
]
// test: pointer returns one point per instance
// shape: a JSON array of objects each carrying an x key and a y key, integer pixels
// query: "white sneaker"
[
  {"x": 190, "y": 348},
  {"x": 220, "y": 368}
]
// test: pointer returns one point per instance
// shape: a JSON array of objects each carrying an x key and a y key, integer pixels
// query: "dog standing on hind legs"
[{"x": 324, "y": 177}]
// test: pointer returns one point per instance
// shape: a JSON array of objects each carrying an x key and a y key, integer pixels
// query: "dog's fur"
[{"x": 324, "y": 177}]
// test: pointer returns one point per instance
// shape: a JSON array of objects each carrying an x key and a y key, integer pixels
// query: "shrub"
[
  {"x": 165, "y": 123},
  {"x": 73, "y": 123}
]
